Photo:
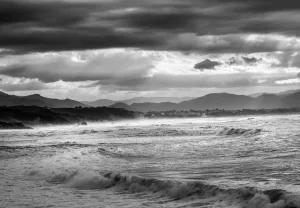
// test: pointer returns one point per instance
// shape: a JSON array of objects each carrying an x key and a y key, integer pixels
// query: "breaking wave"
[
  {"x": 239, "y": 131},
  {"x": 248, "y": 197}
]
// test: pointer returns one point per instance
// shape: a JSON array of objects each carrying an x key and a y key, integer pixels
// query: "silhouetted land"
[
  {"x": 34, "y": 115},
  {"x": 288, "y": 99},
  {"x": 18, "y": 117}
]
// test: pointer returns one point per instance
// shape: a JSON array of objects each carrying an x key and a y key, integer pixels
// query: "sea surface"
[{"x": 250, "y": 161}]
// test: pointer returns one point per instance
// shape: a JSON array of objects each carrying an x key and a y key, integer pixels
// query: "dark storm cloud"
[
  {"x": 28, "y": 26},
  {"x": 72, "y": 68},
  {"x": 58, "y": 26},
  {"x": 206, "y": 64},
  {"x": 251, "y": 60},
  {"x": 243, "y": 60},
  {"x": 298, "y": 75},
  {"x": 42, "y": 13}
]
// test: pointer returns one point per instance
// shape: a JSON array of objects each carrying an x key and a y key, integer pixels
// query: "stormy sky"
[{"x": 118, "y": 49}]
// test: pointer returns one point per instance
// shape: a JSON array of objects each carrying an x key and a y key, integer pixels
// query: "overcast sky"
[{"x": 118, "y": 49}]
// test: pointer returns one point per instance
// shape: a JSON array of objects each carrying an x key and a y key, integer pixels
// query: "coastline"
[{"x": 26, "y": 117}]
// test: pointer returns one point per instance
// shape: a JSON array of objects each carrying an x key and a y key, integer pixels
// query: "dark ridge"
[
  {"x": 35, "y": 115},
  {"x": 38, "y": 100}
]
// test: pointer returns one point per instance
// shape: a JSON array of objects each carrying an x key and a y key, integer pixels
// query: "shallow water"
[{"x": 205, "y": 162}]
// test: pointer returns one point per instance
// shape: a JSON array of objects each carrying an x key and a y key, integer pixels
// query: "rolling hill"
[
  {"x": 123, "y": 106},
  {"x": 216, "y": 100},
  {"x": 292, "y": 100},
  {"x": 37, "y": 100}
]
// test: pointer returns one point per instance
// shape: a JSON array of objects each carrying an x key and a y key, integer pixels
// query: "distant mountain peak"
[
  {"x": 120, "y": 104},
  {"x": 34, "y": 95},
  {"x": 99, "y": 102},
  {"x": 219, "y": 94},
  {"x": 156, "y": 100}
]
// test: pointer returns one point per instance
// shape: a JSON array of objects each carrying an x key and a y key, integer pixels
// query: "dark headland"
[{"x": 22, "y": 116}]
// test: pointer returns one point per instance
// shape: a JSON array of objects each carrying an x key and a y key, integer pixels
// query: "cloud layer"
[
  {"x": 81, "y": 47},
  {"x": 191, "y": 25}
]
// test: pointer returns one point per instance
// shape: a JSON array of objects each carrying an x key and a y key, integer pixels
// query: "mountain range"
[
  {"x": 156, "y": 100},
  {"x": 225, "y": 101},
  {"x": 106, "y": 102},
  {"x": 221, "y": 101},
  {"x": 100, "y": 102}
]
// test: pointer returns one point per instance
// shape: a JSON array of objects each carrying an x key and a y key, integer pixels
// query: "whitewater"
[{"x": 243, "y": 161}]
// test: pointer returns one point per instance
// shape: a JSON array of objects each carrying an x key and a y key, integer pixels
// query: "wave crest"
[
  {"x": 248, "y": 197},
  {"x": 239, "y": 131}
]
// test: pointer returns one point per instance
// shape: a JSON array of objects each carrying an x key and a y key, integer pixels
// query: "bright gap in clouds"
[{"x": 123, "y": 73}]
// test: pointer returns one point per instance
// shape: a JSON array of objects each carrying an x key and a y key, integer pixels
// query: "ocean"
[{"x": 243, "y": 161}]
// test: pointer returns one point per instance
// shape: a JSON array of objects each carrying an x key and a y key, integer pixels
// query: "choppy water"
[{"x": 206, "y": 162}]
